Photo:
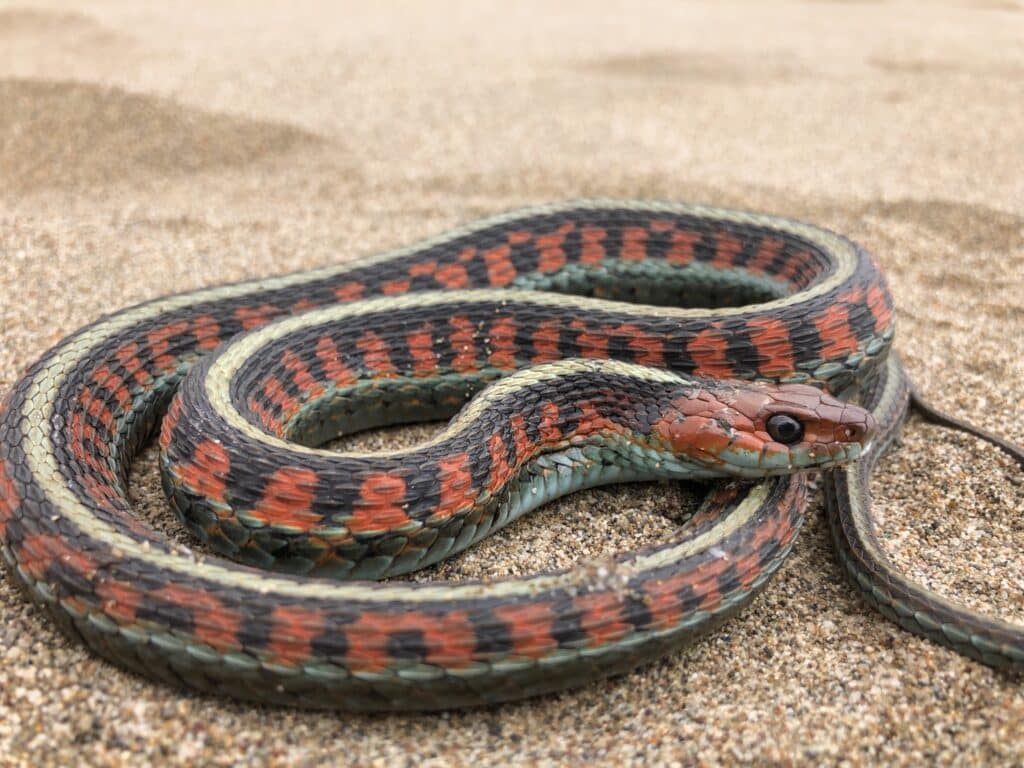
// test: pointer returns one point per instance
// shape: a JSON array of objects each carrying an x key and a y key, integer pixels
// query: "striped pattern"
[
  {"x": 256, "y": 499},
  {"x": 792, "y": 304}
]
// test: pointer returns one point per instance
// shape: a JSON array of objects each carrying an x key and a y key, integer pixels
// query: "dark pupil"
[{"x": 785, "y": 429}]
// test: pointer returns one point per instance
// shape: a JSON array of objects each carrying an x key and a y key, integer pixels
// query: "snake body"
[{"x": 578, "y": 388}]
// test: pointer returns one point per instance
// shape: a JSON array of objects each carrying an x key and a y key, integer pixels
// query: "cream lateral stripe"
[
  {"x": 42, "y": 393},
  {"x": 222, "y": 372},
  {"x": 858, "y": 504},
  {"x": 187, "y": 565},
  {"x": 867, "y": 537}
]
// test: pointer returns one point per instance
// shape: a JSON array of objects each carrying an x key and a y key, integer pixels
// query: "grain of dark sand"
[{"x": 153, "y": 149}]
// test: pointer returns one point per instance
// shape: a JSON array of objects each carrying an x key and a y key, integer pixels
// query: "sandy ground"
[{"x": 150, "y": 149}]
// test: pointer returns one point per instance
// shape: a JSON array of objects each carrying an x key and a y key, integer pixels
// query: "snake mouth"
[{"x": 837, "y": 455}]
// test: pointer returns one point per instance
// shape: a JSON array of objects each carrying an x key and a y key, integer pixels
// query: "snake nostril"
[{"x": 852, "y": 433}]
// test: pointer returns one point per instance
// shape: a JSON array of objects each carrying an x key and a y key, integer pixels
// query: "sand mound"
[
  {"x": 969, "y": 225},
  {"x": 676, "y": 67},
  {"x": 31, "y": 21},
  {"x": 58, "y": 44},
  {"x": 80, "y": 134}
]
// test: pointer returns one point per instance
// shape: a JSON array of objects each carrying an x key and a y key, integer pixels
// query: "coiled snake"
[{"x": 577, "y": 387}]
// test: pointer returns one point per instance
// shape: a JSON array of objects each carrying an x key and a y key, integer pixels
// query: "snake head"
[{"x": 751, "y": 430}]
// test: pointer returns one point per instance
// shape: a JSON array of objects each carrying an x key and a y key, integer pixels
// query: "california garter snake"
[{"x": 584, "y": 388}]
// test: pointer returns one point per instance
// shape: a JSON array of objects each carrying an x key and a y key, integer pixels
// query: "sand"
[{"x": 159, "y": 148}]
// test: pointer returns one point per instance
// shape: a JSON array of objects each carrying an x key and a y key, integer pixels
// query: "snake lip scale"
[{"x": 571, "y": 345}]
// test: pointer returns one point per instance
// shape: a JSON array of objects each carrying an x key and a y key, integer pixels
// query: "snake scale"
[{"x": 571, "y": 345}]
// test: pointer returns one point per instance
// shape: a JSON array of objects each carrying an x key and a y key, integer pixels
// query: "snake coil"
[{"x": 560, "y": 315}]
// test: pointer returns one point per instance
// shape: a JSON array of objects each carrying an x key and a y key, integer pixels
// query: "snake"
[{"x": 568, "y": 346}]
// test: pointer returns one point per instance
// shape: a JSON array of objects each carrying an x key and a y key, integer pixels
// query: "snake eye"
[{"x": 785, "y": 429}]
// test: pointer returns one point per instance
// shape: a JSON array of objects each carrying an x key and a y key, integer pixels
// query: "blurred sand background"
[{"x": 149, "y": 148}]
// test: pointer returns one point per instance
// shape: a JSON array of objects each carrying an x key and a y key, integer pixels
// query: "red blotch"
[
  {"x": 95, "y": 407},
  {"x": 423, "y": 269},
  {"x": 159, "y": 341},
  {"x": 292, "y": 632},
  {"x": 457, "y": 489},
  {"x": 101, "y": 491},
  {"x": 169, "y": 423},
  {"x": 421, "y": 348},
  {"x": 109, "y": 381},
  {"x": 287, "y": 406},
  {"x": 852, "y": 296},
  {"x": 380, "y": 505},
  {"x": 462, "y": 341},
  {"x": 709, "y": 350},
  {"x": 837, "y": 337},
  {"x": 648, "y": 349},
  {"x": 767, "y": 251},
  {"x": 287, "y": 499},
  {"x": 128, "y": 357},
  {"x": 207, "y": 332},
  {"x": 681, "y": 251},
  {"x": 500, "y": 469},
  {"x": 452, "y": 276},
  {"x": 82, "y": 435},
  {"x": 449, "y": 638},
  {"x": 748, "y": 566},
  {"x": 592, "y": 252},
  {"x": 592, "y": 421},
  {"x": 795, "y": 269},
  {"x": 254, "y": 317},
  {"x": 89, "y": 450},
  {"x": 214, "y": 624},
  {"x": 376, "y": 355},
  {"x": 600, "y": 617},
  {"x": 503, "y": 343},
  {"x": 880, "y": 307},
  {"x": 663, "y": 603},
  {"x": 552, "y": 256},
  {"x": 206, "y": 474},
  {"x": 727, "y": 248},
  {"x": 634, "y": 244},
  {"x": 771, "y": 339},
  {"x": 9, "y": 499},
  {"x": 523, "y": 445},
  {"x": 500, "y": 270},
  {"x": 270, "y": 422},
  {"x": 303, "y": 379},
  {"x": 350, "y": 291},
  {"x": 121, "y": 600},
  {"x": 41, "y": 551},
  {"x": 336, "y": 370},
  {"x": 545, "y": 341},
  {"x": 551, "y": 260},
  {"x": 550, "y": 431},
  {"x": 710, "y": 580},
  {"x": 395, "y": 287},
  {"x": 530, "y": 627},
  {"x": 594, "y": 345}
]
